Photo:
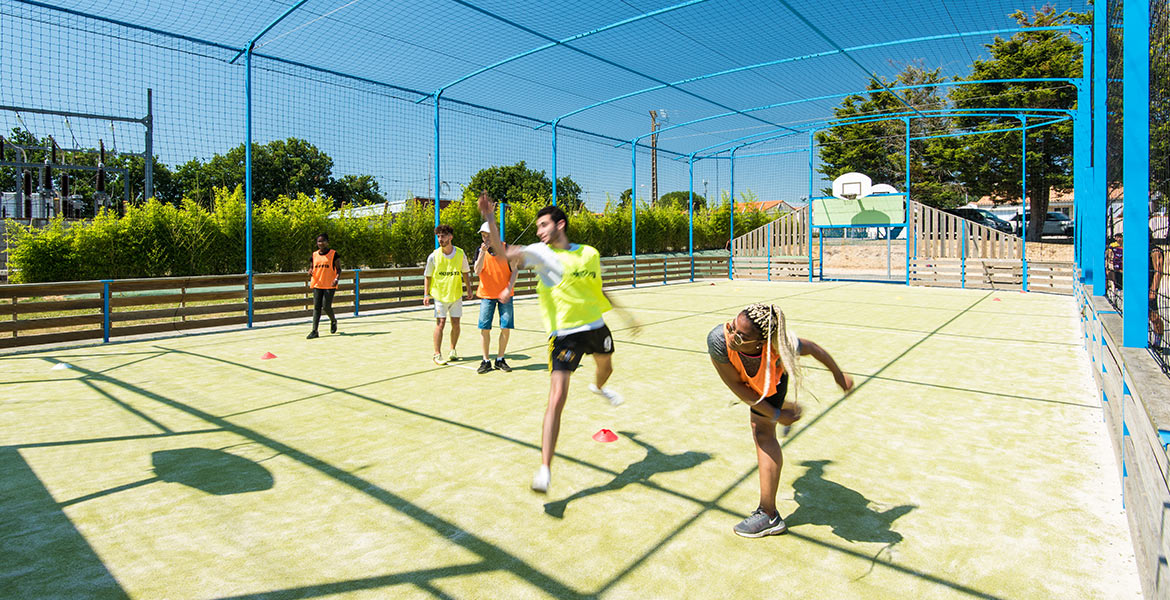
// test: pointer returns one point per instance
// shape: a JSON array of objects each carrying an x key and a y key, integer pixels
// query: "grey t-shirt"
[{"x": 717, "y": 348}]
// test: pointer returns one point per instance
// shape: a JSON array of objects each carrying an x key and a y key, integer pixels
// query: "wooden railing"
[
  {"x": 993, "y": 274},
  {"x": 786, "y": 236},
  {"x": 54, "y": 313},
  {"x": 939, "y": 234}
]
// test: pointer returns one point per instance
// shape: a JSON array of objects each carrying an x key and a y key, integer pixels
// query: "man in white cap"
[{"x": 497, "y": 282}]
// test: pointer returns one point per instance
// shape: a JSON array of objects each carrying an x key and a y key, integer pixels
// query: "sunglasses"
[{"x": 738, "y": 338}]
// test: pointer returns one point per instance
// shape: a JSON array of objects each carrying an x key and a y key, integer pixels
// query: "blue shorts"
[{"x": 487, "y": 306}]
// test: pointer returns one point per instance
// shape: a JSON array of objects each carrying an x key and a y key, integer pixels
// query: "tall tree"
[
  {"x": 280, "y": 167},
  {"x": 878, "y": 148},
  {"x": 989, "y": 163},
  {"x": 519, "y": 183}
]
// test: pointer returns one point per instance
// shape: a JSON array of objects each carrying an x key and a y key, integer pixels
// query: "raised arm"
[
  {"x": 810, "y": 348},
  {"x": 487, "y": 210}
]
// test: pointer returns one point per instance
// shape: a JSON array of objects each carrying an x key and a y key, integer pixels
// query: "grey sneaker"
[{"x": 759, "y": 524}]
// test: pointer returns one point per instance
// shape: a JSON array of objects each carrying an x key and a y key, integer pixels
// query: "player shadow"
[
  {"x": 655, "y": 462},
  {"x": 361, "y": 333},
  {"x": 848, "y": 512}
]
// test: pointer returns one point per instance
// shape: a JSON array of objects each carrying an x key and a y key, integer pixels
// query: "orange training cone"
[
  {"x": 268, "y": 356},
  {"x": 605, "y": 436}
]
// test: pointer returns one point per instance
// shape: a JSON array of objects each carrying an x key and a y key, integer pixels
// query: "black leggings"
[{"x": 322, "y": 299}]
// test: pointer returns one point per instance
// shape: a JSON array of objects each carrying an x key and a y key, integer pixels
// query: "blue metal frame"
[
  {"x": 106, "y": 310},
  {"x": 1136, "y": 177},
  {"x": 731, "y": 224},
  {"x": 247, "y": 53},
  {"x": 357, "y": 291},
  {"x": 1024, "y": 197},
  {"x": 1093, "y": 257},
  {"x": 906, "y": 191}
]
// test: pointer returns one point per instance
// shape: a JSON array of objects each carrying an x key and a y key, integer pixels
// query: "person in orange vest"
[
  {"x": 497, "y": 284},
  {"x": 755, "y": 355},
  {"x": 324, "y": 273}
]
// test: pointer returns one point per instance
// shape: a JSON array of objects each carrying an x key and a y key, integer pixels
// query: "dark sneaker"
[
  {"x": 484, "y": 367},
  {"x": 312, "y": 335},
  {"x": 759, "y": 524},
  {"x": 333, "y": 327},
  {"x": 503, "y": 366}
]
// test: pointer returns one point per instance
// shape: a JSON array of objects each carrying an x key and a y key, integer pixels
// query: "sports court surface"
[{"x": 971, "y": 461}]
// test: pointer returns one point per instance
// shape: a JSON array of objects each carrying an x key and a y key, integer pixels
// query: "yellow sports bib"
[
  {"x": 577, "y": 299},
  {"x": 447, "y": 278}
]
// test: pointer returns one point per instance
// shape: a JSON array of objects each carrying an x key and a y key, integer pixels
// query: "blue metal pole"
[
  {"x": 1082, "y": 146},
  {"x": 909, "y": 223},
  {"x": 554, "y": 161},
  {"x": 438, "y": 94},
  {"x": 1097, "y": 204},
  {"x": 503, "y": 212},
  {"x": 963, "y": 254},
  {"x": 769, "y": 251},
  {"x": 106, "y": 311},
  {"x": 248, "y": 178},
  {"x": 691, "y": 215},
  {"x": 357, "y": 291},
  {"x": 634, "y": 206},
  {"x": 731, "y": 223},
  {"x": 1136, "y": 174},
  {"x": 812, "y": 139},
  {"x": 1024, "y": 196}
]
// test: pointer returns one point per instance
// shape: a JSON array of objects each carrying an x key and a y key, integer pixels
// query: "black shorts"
[
  {"x": 565, "y": 353},
  {"x": 777, "y": 399}
]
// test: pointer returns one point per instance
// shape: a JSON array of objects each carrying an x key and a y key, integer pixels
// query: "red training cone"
[
  {"x": 605, "y": 436},
  {"x": 268, "y": 356},
  {"x": 995, "y": 299}
]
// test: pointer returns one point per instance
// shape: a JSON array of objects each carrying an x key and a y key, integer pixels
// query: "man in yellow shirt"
[
  {"x": 571, "y": 303},
  {"x": 444, "y": 277}
]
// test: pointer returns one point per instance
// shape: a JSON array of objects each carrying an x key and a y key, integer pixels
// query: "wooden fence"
[
  {"x": 939, "y": 234},
  {"x": 786, "y": 236},
  {"x": 1051, "y": 277},
  {"x": 54, "y": 313}
]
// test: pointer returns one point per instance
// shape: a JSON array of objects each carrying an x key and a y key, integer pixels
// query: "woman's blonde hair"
[{"x": 771, "y": 323}]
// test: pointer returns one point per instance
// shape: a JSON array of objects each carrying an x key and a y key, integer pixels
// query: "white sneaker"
[
  {"x": 541, "y": 480},
  {"x": 614, "y": 398},
  {"x": 453, "y": 356}
]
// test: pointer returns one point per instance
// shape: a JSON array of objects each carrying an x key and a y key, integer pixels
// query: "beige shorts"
[{"x": 449, "y": 309}]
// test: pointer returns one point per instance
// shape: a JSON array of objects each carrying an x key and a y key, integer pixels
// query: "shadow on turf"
[
  {"x": 848, "y": 512},
  {"x": 641, "y": 471},
  {"x": 212, "y": 471}
]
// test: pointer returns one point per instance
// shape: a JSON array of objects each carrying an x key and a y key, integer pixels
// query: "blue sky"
[{"x": 370, "y": 122}]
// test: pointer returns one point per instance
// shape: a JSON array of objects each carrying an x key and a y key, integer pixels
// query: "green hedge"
[{"x": 156, "y": 239}]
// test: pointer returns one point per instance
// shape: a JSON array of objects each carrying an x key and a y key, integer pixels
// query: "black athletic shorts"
[
  {"x": 565, "y": 353},
  {"x": 777, "y": 399}
]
